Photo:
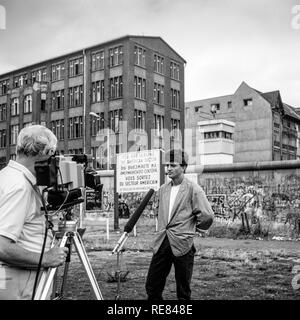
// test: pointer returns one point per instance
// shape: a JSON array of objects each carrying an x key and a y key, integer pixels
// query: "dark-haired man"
[{"x": 183, "y": 208}]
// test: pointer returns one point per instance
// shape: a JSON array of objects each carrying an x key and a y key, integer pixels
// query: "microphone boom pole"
[{"x": 132, "y": 221}]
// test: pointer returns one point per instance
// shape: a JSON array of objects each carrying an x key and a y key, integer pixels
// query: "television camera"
[
  {"x": 65, "y": 179},
  {"x": 64, "y": 176}
]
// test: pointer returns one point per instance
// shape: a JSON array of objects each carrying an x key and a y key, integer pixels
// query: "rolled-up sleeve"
[{"x": 201, "y": 209}]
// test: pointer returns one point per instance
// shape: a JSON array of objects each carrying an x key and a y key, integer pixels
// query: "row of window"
[
  {"x": 216, "y": 106},
  {"x": 75, "y": 126},
  {"x": 218, "y": 135},
  {"x": 139, "y": 122},
  {"x": 98, "y": 93},
  {"x": 97, "y": 63},
  {"x": 15, "y": 107}
]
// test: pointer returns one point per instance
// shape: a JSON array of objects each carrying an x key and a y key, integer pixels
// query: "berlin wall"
[
  {"x": 269, "y": 190},
  {"x": 264, "y": 190}
]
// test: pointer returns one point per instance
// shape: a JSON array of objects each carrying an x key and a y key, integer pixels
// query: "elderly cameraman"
[{"x": 22, "y": 224}]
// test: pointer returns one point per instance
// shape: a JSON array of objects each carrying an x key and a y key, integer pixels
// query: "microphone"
[{"x": 134, "y": 218}]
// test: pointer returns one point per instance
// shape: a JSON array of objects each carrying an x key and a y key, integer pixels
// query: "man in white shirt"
[
  {"x": 183, "y": 208},
  {"x": 22, "y": 224}
]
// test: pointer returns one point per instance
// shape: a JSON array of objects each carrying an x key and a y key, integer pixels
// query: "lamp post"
[
  {"x": 116, "y": 201},
  {"x": 93, "y": 114}
]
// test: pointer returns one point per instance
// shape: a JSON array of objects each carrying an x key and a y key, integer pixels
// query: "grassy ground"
[{"x": 224, "y": 268}]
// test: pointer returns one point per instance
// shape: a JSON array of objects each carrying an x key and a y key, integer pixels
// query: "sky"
[{"x": 224, "y": 42}]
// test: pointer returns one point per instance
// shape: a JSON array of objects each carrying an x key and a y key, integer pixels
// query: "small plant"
[{"x": 114, "y": 277}]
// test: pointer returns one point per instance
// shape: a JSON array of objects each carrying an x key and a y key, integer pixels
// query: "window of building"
[
  {"x": 98, "y": 91},
  {"x": 159, "y": 124},
  {"x": 36, "y": 76},
  {"x": 139, "y": 120},
  {"x": 212, "y": 135},
  {"x": 57, "y": 128},
  {"x": 39, "y": 75},
  {"x": 175, "y": 128},
  {"x": 229, "y": 105},
  {"x": 44, "y": 74},
  {"x": 98, "y": 158},
  {"x": 58, "y": 71},
  {"x": 28, "y": 103},
  {"x": 140, "y": 56},
  {"x": 116, "y": 56},
  {"x": 2, "y": 138},
  {"x": 14, "y": 132},
  {"x": 175, "y": 99},
  {"x": 247, "y": 102},
  {"x": 27, "y": 124},
  {"x": 20, "y": 81},
  {"x": 15, "y": 107},
  {"x": 158, "y": 94},
  {"x": 227, "y": 135},
  {"x": 159, "y": 63},
  {"x": 174, "y": 69},
  {"x": 139, "y": 88},
  {"x": 97, "y": 123},
  {"x": 218, "y": 135},
  {"x": 98, "y": 60},
  {"x": 43, "y": 101},
  {"x": 76, "y": 67},
  {"x": 197, "y": 108},
  {"x": 3, "y": 110},
  {"x": 75, "y": 128},
  {"x": 4, "y": 86},
  {"x": 58, "y": 99},
  {"x": 215, "y": 106},
  {"x": 76, "y": 96},
  {"x": 116, "y": 87},
  {"x": 114, "y": 118}
]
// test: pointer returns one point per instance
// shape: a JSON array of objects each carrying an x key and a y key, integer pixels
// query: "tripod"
[{"x": 68, "y": 236}]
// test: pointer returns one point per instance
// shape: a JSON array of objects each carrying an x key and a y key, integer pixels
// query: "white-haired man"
[{"x": 22, "y": 224}]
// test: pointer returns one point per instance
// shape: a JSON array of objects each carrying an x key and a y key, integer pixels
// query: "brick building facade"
[{"x": 134, "y": 84}]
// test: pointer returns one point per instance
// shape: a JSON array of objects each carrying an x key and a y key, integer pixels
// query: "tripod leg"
[
  {"x": 66, "y": 267},
  {"x": 87, "y": 266},
  {"x": 46, "y": 281}
]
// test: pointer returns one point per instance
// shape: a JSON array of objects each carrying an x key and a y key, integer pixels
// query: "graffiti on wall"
[{"x": 255, "y": 198}]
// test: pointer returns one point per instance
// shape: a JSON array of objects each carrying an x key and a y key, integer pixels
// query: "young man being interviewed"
[{"x": 183, "y": 209}]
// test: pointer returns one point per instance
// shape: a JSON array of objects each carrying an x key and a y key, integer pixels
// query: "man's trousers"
[{"x": 159, "y": 270}]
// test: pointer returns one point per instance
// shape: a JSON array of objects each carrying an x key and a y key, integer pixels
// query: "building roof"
[
  {"x": 290, "y": 111},
  {"x": 86, "y": 48},
  {"x": 274, "y": 98}
]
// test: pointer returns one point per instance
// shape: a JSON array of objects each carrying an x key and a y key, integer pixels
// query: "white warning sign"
[{"x": 138, "y": 171}]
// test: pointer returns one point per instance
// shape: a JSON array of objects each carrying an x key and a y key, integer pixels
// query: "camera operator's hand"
[{"x": 55, "y": 257}]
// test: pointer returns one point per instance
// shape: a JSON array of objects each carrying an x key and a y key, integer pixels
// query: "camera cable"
[{"x": 48, "y": 226}]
